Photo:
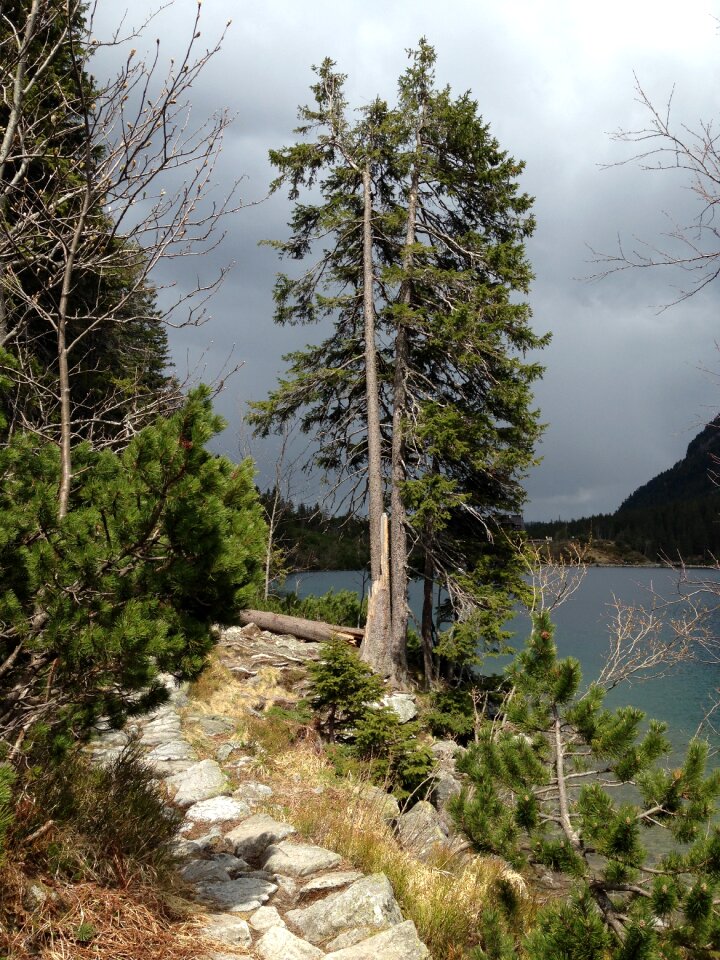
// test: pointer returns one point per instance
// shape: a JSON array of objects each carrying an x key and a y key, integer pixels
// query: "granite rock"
[
  {"x": 279, "y": 944},
  {"x": 367, "y": 903},
  {"x": 299, "y": 859},
  {"x": 253, "y": 836},
  {"x": 201, "y": 781}
]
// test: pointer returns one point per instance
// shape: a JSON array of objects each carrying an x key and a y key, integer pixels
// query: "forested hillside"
[
  {"x": 311, "y": 539},
  {"x": 676, "y": 514}
]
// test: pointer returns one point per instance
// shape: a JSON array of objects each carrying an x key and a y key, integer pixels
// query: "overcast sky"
[{"x": 626, "y": 386}]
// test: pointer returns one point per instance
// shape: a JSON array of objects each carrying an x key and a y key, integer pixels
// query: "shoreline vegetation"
[{"x": 311, "y": 540}]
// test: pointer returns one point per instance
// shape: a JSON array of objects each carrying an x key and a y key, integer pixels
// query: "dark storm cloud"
[{"x": 624, "y": 391}]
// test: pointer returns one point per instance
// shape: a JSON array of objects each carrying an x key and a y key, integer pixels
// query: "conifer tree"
[
  {"x": 447, "y": 227},
  {"x": 85, "y": 219},
  {"x": 561, "y": 781},
  {"x": 160, "y": 542},
  {"x": 119, "y": 546}
]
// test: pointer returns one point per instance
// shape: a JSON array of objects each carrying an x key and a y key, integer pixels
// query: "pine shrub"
[
  {"x": 345, "y": 692},
  {"x": 563, "y": 782},
  {"x": 341, "y": 688},
  {"x": 161, "y": 541}
]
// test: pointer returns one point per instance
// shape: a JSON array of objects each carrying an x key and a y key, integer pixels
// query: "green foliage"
[
  {"x": 161, "y": 541},
  {"x": 542, "y": 788},
  {"x": 450, "y": 315},
  {"x": 7, "y": 778},
  {"x": 314, "y": 540},
  {"x": 119, "y": 364},
  {"x": 343, "y": 608},
  {"x": 344, "y": 693},
  {"x": 569, "y": 931},
  {"x": 451, "y": 714},
  {"x": 391, "y": 748},
  {"x": 498, "y": 944},
  {"x": 341, "y": 688}
]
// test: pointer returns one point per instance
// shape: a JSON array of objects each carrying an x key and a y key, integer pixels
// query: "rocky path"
[{"x": 262, "y": 892}]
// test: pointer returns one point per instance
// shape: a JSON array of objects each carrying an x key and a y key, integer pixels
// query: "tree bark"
[
  {"x": 299, "y": 627},
  {"x": 376, "y": 646}
]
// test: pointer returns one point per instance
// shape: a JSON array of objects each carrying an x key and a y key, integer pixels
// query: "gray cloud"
[{"x": 623, "y": 392}]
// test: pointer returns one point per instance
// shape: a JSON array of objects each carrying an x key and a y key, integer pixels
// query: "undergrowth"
[
  {"x": 100, "y": 822},
  {"x": 89, "y": 921},
  {"x": 446, "y": 899},
  {"x": 87, "y": 868}
]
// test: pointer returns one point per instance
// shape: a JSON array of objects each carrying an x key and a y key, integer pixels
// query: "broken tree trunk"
[
  {"x": 302, "y": 629},
  {"x": 376, "y": 648}
]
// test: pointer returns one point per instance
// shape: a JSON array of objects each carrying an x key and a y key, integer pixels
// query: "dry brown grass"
[
  {"x": 86, "y": 921},
  {"x": 445, "y": 899}
]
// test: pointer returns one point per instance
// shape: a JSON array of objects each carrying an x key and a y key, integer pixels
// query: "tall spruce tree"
[
  {"x": 559, "y": 780},
  {"x": 444, "y": 239}
]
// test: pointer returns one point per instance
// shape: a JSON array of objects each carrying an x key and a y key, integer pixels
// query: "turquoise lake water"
[{"x": 681, "y": 699}]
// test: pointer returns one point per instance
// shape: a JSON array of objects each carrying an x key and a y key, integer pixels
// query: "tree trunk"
[
  {"x": 62, "y": 331},
  {"x": 398, "y": 534},
  {"x": 303, "y": 629},
  {"x": 427, "y": 626},
  {"x": 376, "y": 646},
  {"x": 398, "y": 471}
]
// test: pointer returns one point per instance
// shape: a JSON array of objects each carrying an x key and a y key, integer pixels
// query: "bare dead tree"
[
  {"x": 127, "y": 182},
  {"x": 665, "y": 145}
]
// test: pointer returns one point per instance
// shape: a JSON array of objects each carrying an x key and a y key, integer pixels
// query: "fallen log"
[{"x": 302, "y": 629}]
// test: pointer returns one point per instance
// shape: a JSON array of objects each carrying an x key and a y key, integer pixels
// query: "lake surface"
[{"x": 681, "y": 699}]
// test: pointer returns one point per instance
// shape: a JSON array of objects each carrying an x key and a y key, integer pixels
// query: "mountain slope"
[
  {"x": 675, "y": 515},
  {"x": 696, "y": 475}
]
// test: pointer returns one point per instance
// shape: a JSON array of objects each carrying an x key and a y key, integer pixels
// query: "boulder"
[
  {"x": 445, "y": 750},
  {"x": 445, "y": 787},
  {"x": 420, "y": 830},
  {"x": 299, "y": 859},
  {"x": 279, "y": 944},
  {"x": 204, "y": 871},
  {"x": 201, "y": 781},
  {"x": 402, "y": 704},
  {"x": 226, "y": 750},
  {"x": 253, "y": 836},
  {"x": 264, "y": 918},
  {"x": 384, "y": 803},
  {"x": 217, "y": 810},
  {"x": 400, "y": 942},
  {"x": 163, "y": 728},
  {"x": 178, "y": 749},
  {"x": 211, "y": 726},
  {"x": 237, "y": 896},
  {"x": 252, "y": 792},
  {"x": 228, "y": 929},
  {"x": 327, "y": 882},
  {"x": 368, "y": 904}
]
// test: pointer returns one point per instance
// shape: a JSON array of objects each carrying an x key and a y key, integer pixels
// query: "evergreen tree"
[
  {"x": 444, "y": 241},
  {"x": 561, "y": 781},
  {"x": 161, "y": 541}
]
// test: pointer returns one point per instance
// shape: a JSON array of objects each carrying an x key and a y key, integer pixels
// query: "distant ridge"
[
  {"x": 675, "y": 515},
  {"x": 696, "y": 475}
]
